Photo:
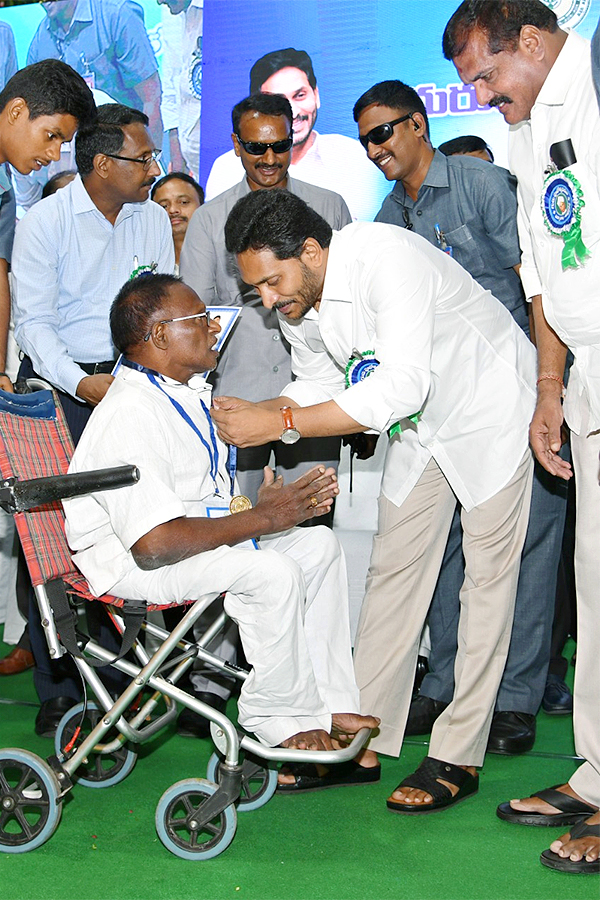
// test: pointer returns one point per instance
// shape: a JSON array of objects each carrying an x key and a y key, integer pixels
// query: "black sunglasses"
[
  {"x": 256, "y": 148},
  {"x": 382, "y": 133}
]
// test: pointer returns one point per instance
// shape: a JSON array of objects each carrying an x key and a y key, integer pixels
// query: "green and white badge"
[{"x": 562, "y": 203}]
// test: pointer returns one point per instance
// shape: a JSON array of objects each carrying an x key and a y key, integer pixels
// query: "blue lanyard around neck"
[{"x": 213, "y": 451}]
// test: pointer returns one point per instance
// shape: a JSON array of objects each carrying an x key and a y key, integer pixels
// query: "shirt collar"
[
  {"x": 83, "y": 13},
  {"x": 335, "y": 285},
  {"x": 558, "y": 80},
  {"x": 83, "y": 203},
  {"x": 5, "y": 182},
  {"x": 436, "y": 176},
  {"x": 197, "y": 383}
]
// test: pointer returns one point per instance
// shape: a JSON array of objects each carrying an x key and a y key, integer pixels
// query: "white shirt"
[
  {"x": 566, "y": 107},
  {"x": 447, "y": 348},
  {"x": 136, "y": 424},
  {"x": 69, "y": 263},
  {"x": 335, "y": 162}
]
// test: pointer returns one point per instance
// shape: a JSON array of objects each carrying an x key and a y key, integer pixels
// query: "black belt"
[{"x": 99, "y": 368}]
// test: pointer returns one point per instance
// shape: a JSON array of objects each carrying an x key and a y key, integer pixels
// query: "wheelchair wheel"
[
  {"x": 29, "y": 807},
  {"x": 181, "y": 826},
  {"x": 99, "y": 770},
  {"x": 259, "y": 782}
]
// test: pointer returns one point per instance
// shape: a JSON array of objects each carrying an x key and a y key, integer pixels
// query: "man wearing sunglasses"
[
  {"x": 468, "y": 208},
  {"x": 256, "y": 360},
  {"x": 72, "y": 253},
  {"x": 333, "y": 161}
]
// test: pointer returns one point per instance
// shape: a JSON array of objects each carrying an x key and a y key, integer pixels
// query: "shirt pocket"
[{"x": 465, "y": 250}]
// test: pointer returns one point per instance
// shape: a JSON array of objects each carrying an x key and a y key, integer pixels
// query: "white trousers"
[
  {"x": 586, "y": 698},
  {"x": 407, "y": 555},
  {"x": 290, "y": 602}
]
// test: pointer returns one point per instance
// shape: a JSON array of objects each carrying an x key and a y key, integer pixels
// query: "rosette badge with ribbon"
[
  {"x": 360, "y": 366},
  {"x": 562, "y": 203}
]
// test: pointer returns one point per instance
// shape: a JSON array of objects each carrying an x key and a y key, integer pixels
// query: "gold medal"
[{"x": 239, "y": 503}]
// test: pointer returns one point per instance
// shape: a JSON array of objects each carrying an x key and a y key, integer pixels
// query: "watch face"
[{"x": 290, "y": 436}]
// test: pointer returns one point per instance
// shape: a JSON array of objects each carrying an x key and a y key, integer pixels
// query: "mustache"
[
  {"x": 496, "y": 101},
  {"x": 275, "y": 165}
]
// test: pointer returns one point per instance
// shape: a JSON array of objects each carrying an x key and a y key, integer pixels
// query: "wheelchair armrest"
[{"x": 16, "y": 496}]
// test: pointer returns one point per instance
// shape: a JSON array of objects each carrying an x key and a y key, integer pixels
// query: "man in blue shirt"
[
  {"x": 73, "y": 251},
  {"x": 468, "y": 209},
  {"x": 106, "y": 42}
]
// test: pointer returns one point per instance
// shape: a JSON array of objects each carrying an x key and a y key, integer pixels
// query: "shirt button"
[
  {"x": 276, "y": 368},
  {"x": 275, "y": 337},
  {"x": 419, "y": 212}
]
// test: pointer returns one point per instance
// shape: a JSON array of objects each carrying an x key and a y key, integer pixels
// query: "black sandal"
[
  {"x": 338, "y": 775},
  {"x": 574, "y": 867},
  {"x": 425, "y": 779},
  {"x": 571, "y": 810}
]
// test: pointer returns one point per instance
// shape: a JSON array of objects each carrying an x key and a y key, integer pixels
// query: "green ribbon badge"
[
  {"x": 562, "y": 203},
  {"x": 360, "y": 366}
]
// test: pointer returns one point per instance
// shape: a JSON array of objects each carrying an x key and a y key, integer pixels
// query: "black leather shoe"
[
  {"x": 557, "y": 699},
  {"x": 50, "y": 713},
  {"x": 190, "y": 724},
  {"x": 423, "y": 713},
  {"x": 511, "y": 733},
  {"x": 420, "y": 673}
]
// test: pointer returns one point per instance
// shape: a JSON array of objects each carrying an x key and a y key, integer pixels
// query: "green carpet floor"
[{"x": 340, "y": 844}]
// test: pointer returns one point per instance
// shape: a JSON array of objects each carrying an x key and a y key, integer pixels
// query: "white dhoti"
[{"x": 290, "y": 601}]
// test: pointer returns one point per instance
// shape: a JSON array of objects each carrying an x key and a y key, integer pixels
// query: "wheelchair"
[{"x": 95, "y": 744}]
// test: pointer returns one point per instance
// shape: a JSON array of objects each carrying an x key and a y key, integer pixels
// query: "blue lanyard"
[
  {"x": 213, "y": 453},
  {"x": 232, "y": 466}
]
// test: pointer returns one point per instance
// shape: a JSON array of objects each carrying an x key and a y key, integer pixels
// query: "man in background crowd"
[
  {"x": 468, "y": 209},
  {"x": 467, "y": 145},
  {"x": 182, "y": 84},
  {"x": 107, "y": 43},
  {"x": 180, "y": 195},
  {"x": 331, "y": 161}
]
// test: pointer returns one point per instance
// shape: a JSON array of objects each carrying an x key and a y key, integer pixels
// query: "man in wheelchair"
[{"x": 170, "y": 538}]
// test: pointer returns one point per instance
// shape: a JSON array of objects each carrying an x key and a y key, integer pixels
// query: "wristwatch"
[{"x": 290, "y": 433}]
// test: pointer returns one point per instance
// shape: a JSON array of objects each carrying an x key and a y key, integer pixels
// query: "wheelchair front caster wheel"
[
  {"x": 259, "y": 782},
  {"x": 182, "y": 827},
  {"x": 29, "y": 806}
]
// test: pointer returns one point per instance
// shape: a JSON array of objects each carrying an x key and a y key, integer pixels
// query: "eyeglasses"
[
  {"x": 204, "y": 315},
  {"x": 382, "y": 133},
  {"x": 146, "y": 161},
  {"x": 256, "y": 148}
]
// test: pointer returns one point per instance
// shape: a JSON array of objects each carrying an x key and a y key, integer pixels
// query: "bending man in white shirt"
[
  {"x": 156, "y": 540},
  {"x": 450, "y": 377}
]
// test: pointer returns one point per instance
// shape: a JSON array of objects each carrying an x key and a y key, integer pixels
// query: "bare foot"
[
  {"x": 578, "y": 848},
  {"x": 344, "y": 726},
  {"x": 537, "y": 805},
  {"x": 309, "y": 740},
  {"x": 414, "y": 796}
]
